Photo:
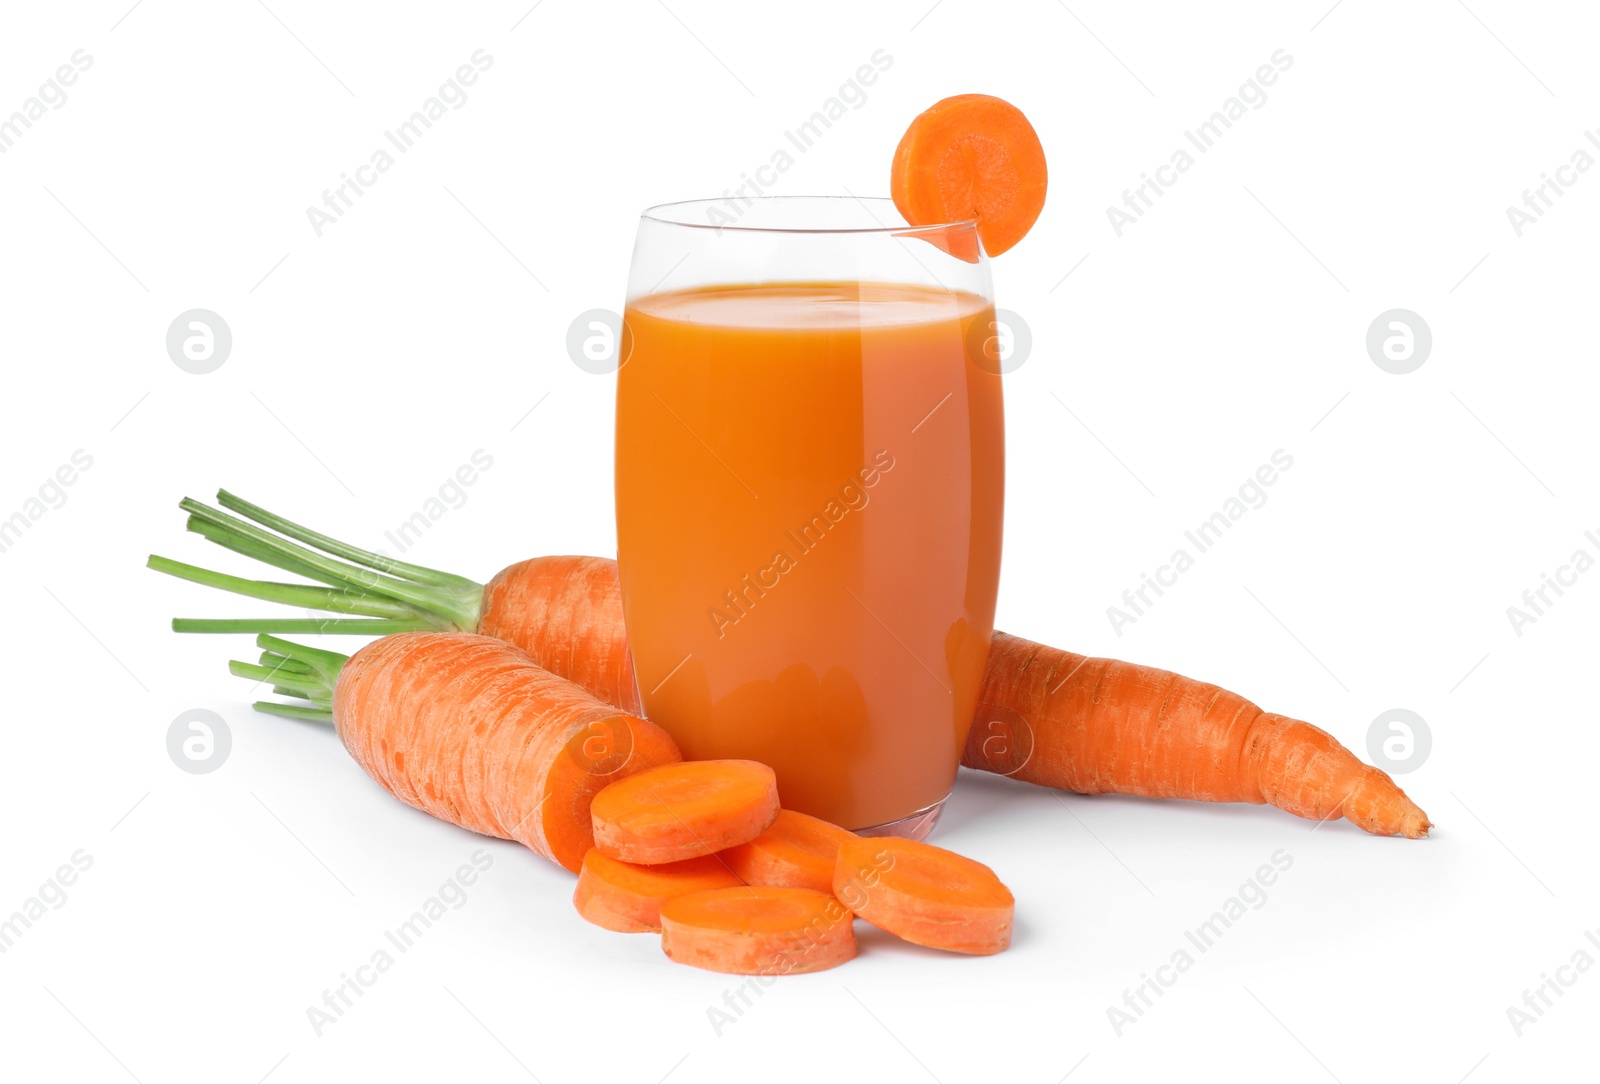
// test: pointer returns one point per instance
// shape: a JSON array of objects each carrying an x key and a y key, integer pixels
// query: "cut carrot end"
[
  {"x": 972, "y": 156},
  {"x": 797, "y": 851},
  {"x": 594, "y": 756},
  {"x": 627, "y": 898},
  {"x": 757, "y": 931},
  {"x": 925, "y": 894},
  {"x": 687, "y": 810}
]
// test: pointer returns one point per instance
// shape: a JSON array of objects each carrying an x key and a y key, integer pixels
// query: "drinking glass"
[{"x": 809, "y": 484}]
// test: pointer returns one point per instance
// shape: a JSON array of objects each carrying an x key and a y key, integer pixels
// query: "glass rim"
[{"x": 658, "y": 213}]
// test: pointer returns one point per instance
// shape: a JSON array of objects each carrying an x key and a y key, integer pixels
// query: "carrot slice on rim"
[
  {"x": 796, "y": 852},
  {"x": 972, "y": 156},
  {"x": 925, "y": 894},
  {"x": 684, "y": 810},
  {"x": 627, "y": 898},
  {"x": 758, "y": 931}
]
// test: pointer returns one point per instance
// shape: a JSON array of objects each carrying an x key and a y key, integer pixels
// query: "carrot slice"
[
  {"x": 601, "y": 914},
  {"x": 925, "y": 894},
  {"x": 758, "y": 931},
  {"x": 972, "y": 156},
  {"x": 693, "y": 809},
  {"x": 796, "y": 852},
  {"x": 627, "y": 898}
]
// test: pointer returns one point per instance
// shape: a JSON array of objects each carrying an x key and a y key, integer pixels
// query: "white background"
[{"x": 369, "y": 363}]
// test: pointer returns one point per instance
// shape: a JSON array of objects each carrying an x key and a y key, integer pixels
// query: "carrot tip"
[
  {"x": 1379, "y": 806},
  {"x": 1416, "y": 825}
]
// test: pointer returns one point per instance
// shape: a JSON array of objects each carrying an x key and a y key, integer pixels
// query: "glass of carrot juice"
[{"x": 809, "y": 483}]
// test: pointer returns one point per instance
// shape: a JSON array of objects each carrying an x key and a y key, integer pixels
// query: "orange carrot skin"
[
  {"x": 1204, "y": 743},
  {"x": 468, "y": 729},
  {"x": 566, "y": 613},
  {"x": 1097, "y": 726}
]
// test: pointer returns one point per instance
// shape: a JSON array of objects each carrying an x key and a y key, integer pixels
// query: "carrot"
[
  {"x": 627, "y": 898},
  {"x": 1097, "y": 725},
  {"x": 971, "y": 157},
  {"x": 568, "y": 611},
  {"x": 680, "y": 811},
  {"x": 602, "y": 913},
  {"x": 1147, "y": 733},
  {"x": 925, "y": 894},
  {"x": 565, "y": 612},
  {"x": 797, "y": 851},
  {"x": 757, "y": 931},
  {"x": 468, "y": 729}
]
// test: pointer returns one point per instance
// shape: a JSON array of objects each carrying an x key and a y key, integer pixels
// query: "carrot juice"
[{"x": 809, "y": 488}]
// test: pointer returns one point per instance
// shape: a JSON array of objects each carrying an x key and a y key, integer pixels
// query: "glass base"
[{"x": 918, "y": 826}]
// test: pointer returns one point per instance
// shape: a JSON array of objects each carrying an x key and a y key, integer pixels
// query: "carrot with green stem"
[
  {"x": 1113, "y": 727},
  {"x": 467, "y": 728}
]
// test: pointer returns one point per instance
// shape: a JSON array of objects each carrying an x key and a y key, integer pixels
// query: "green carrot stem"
[
  {"x": 284, "y": 663},
  {"x": 290, "y": 594},
  {"x": 326, "y": 663},
  {"x": 404, "y": 570},
  {"x": 352, "y": 626},
  {"x": 212, "y": 532},
  {"x": 340, "y": 571},
  {"x": 295, "y": 670},
  {"x": 295, "y": 711},
  {"x": 311, "y": 689},
  {"x": 458, "y": 605}
]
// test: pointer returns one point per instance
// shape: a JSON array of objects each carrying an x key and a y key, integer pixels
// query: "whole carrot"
[
  {"x": 1101, "y": 726},
  {"x": 1134, "y": 730},
  {"x": 467, "y": 728}
]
